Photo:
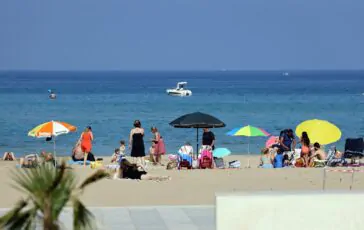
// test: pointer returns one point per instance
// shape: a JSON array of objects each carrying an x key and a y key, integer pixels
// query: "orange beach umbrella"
[{"x": 52, "y": 129}]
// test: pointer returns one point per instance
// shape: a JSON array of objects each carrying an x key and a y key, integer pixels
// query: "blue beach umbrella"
[{"x": 221, "y": 152}]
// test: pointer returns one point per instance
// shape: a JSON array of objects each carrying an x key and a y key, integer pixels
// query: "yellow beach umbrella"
[{"x": 320, "y": 131}]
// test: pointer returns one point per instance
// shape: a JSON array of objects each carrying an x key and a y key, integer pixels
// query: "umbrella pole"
[
  {"x": 197, "y": 144},
  {"x": 248, "y": 152},
  {"x": 54, "y": 151}
]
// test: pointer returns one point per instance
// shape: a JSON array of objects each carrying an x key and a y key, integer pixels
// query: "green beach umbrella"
[{"x": 248, "y": 131}]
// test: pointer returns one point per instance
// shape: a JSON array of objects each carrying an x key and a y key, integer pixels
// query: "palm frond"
[
  {"x": 10, "y": 215},
  {"x": 21, "y": 220},
  {"x": 82, "y": 217},
  {"x": 59, "y": 176},
  {"x": 31, "y": 222},
  {"x": 98, "y": 175}
]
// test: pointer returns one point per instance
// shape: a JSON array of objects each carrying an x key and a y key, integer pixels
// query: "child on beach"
[
  {"x": 119, "y": 152},
  {"x": 122, "y": 148},
  {"x": 266, "y": 159},
  {"x": 116, "y": 156}
]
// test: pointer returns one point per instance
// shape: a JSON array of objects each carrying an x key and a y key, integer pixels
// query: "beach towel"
[
  {"x": 112, "y": 166},
  {"x": 72, "y": 162}
]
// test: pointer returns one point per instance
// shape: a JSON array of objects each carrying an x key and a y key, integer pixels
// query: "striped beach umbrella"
[
  {"x": 248, "y": 131},
  {"x": 52, "y": 129}
]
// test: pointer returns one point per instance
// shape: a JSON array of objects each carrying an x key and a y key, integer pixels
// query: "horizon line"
[{"x": 191, "y": 70}]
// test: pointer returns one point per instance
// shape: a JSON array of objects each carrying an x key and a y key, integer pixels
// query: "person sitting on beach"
[
  {"x": 186, "y": 149},
  {"x": 266, "y": 159},
  {"x": 9, "y": 156},
  {"x": 78, "y": 154},
  {"x": 128, "y": 170},
  {"x": 318, "y": 153},
  {"x": 116, "y": 156},
  {"x": 47, "y": 157},
  {"x": 29, "y": 161}
]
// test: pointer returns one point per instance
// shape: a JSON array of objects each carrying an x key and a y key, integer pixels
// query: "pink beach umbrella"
[{"x": 271, "y": 141}]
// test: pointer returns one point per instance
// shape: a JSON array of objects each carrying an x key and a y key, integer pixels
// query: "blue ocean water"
[{"x": 111, "y": 101}]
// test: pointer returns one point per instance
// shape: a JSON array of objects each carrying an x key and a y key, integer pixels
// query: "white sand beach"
[{"x": 192, "y": 187}]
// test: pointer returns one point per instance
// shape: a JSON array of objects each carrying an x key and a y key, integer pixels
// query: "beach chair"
[
  {"x": 184, "y": 161},
  {"x": 206, "y": 159},
  {"x": 354, "y": 149}
]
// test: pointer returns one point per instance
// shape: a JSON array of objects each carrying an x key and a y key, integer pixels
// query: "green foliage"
[{"x": 48, "y": 191}]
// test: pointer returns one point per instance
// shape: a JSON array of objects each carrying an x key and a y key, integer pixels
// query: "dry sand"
[{"x": 192, "y": 187}]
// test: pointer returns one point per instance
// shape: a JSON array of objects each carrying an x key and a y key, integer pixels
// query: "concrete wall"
[{"x": 291, "y": 211}]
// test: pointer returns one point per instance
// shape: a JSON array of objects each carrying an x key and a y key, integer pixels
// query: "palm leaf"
[
  {"x": 82, "y": 217},
  {"x": 21, "y": 220},
  {"x": 98, "y": 175},
  {"x": 30, "y": 223},
  {"x": 9, "y": 216},
  {"x": 59, "y": 176}
]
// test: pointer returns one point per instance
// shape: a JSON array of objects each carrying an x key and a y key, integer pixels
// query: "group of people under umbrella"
[{"x": 319, "y": 131}]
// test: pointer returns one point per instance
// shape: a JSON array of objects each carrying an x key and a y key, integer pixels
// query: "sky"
[{"x": 181, "y": 34}]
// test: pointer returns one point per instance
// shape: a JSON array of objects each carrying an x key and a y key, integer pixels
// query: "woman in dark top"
[
  {"x": 128, "y": 170},
  {"x": 208, "y": 138},
  {"x": 137, "y": 143}
]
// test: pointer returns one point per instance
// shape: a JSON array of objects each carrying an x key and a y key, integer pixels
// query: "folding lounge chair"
[
  {"x": 184, "y": 161},
  {"x": 206, "y": 160}
]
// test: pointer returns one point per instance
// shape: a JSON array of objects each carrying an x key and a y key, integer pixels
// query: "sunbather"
[
  {"x": 47, "y": 157},
  {"x": 78, "y": 154},
  {"x": 128, "y": 170},
  {"x": 116, "y": 156},
  {"x": 266, "y": 159},
  {"x": 29, "y": 161},
  {"x": 317, "y": 153},
  {"x": 186, "y": 149},
  {"x": 9, "y": 156}
]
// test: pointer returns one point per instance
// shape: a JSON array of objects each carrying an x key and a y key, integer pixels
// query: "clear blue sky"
[{"x": 181, "y": 34}]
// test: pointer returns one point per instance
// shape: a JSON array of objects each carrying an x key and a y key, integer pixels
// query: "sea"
[{"x": 110, "y": 101}]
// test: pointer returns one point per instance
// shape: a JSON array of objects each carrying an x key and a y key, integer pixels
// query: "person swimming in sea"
[{"x": 52, "y": 95}]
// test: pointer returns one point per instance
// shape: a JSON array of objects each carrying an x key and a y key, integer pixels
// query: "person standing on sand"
[
  {"x": 305, "y": 148},
  {"x": 287, "y": 142},
  {"x": 86, "y": 142},
  {"x": 159, "y": 147},
  {"x": 208, "y": 138},
  {"x": 136, "y": 143}
]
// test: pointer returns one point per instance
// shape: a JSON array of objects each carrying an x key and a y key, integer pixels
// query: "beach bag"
[
  {"x": 234, "y": 164},
  {"x": 172, "y": 165},
  {"x": 96, "y": 164},
  {"x": 219, "y": 163},
  {"x": 194, "y": 164}
]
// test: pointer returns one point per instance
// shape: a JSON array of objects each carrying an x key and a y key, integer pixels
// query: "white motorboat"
[{"x": 180, "y": 90}]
